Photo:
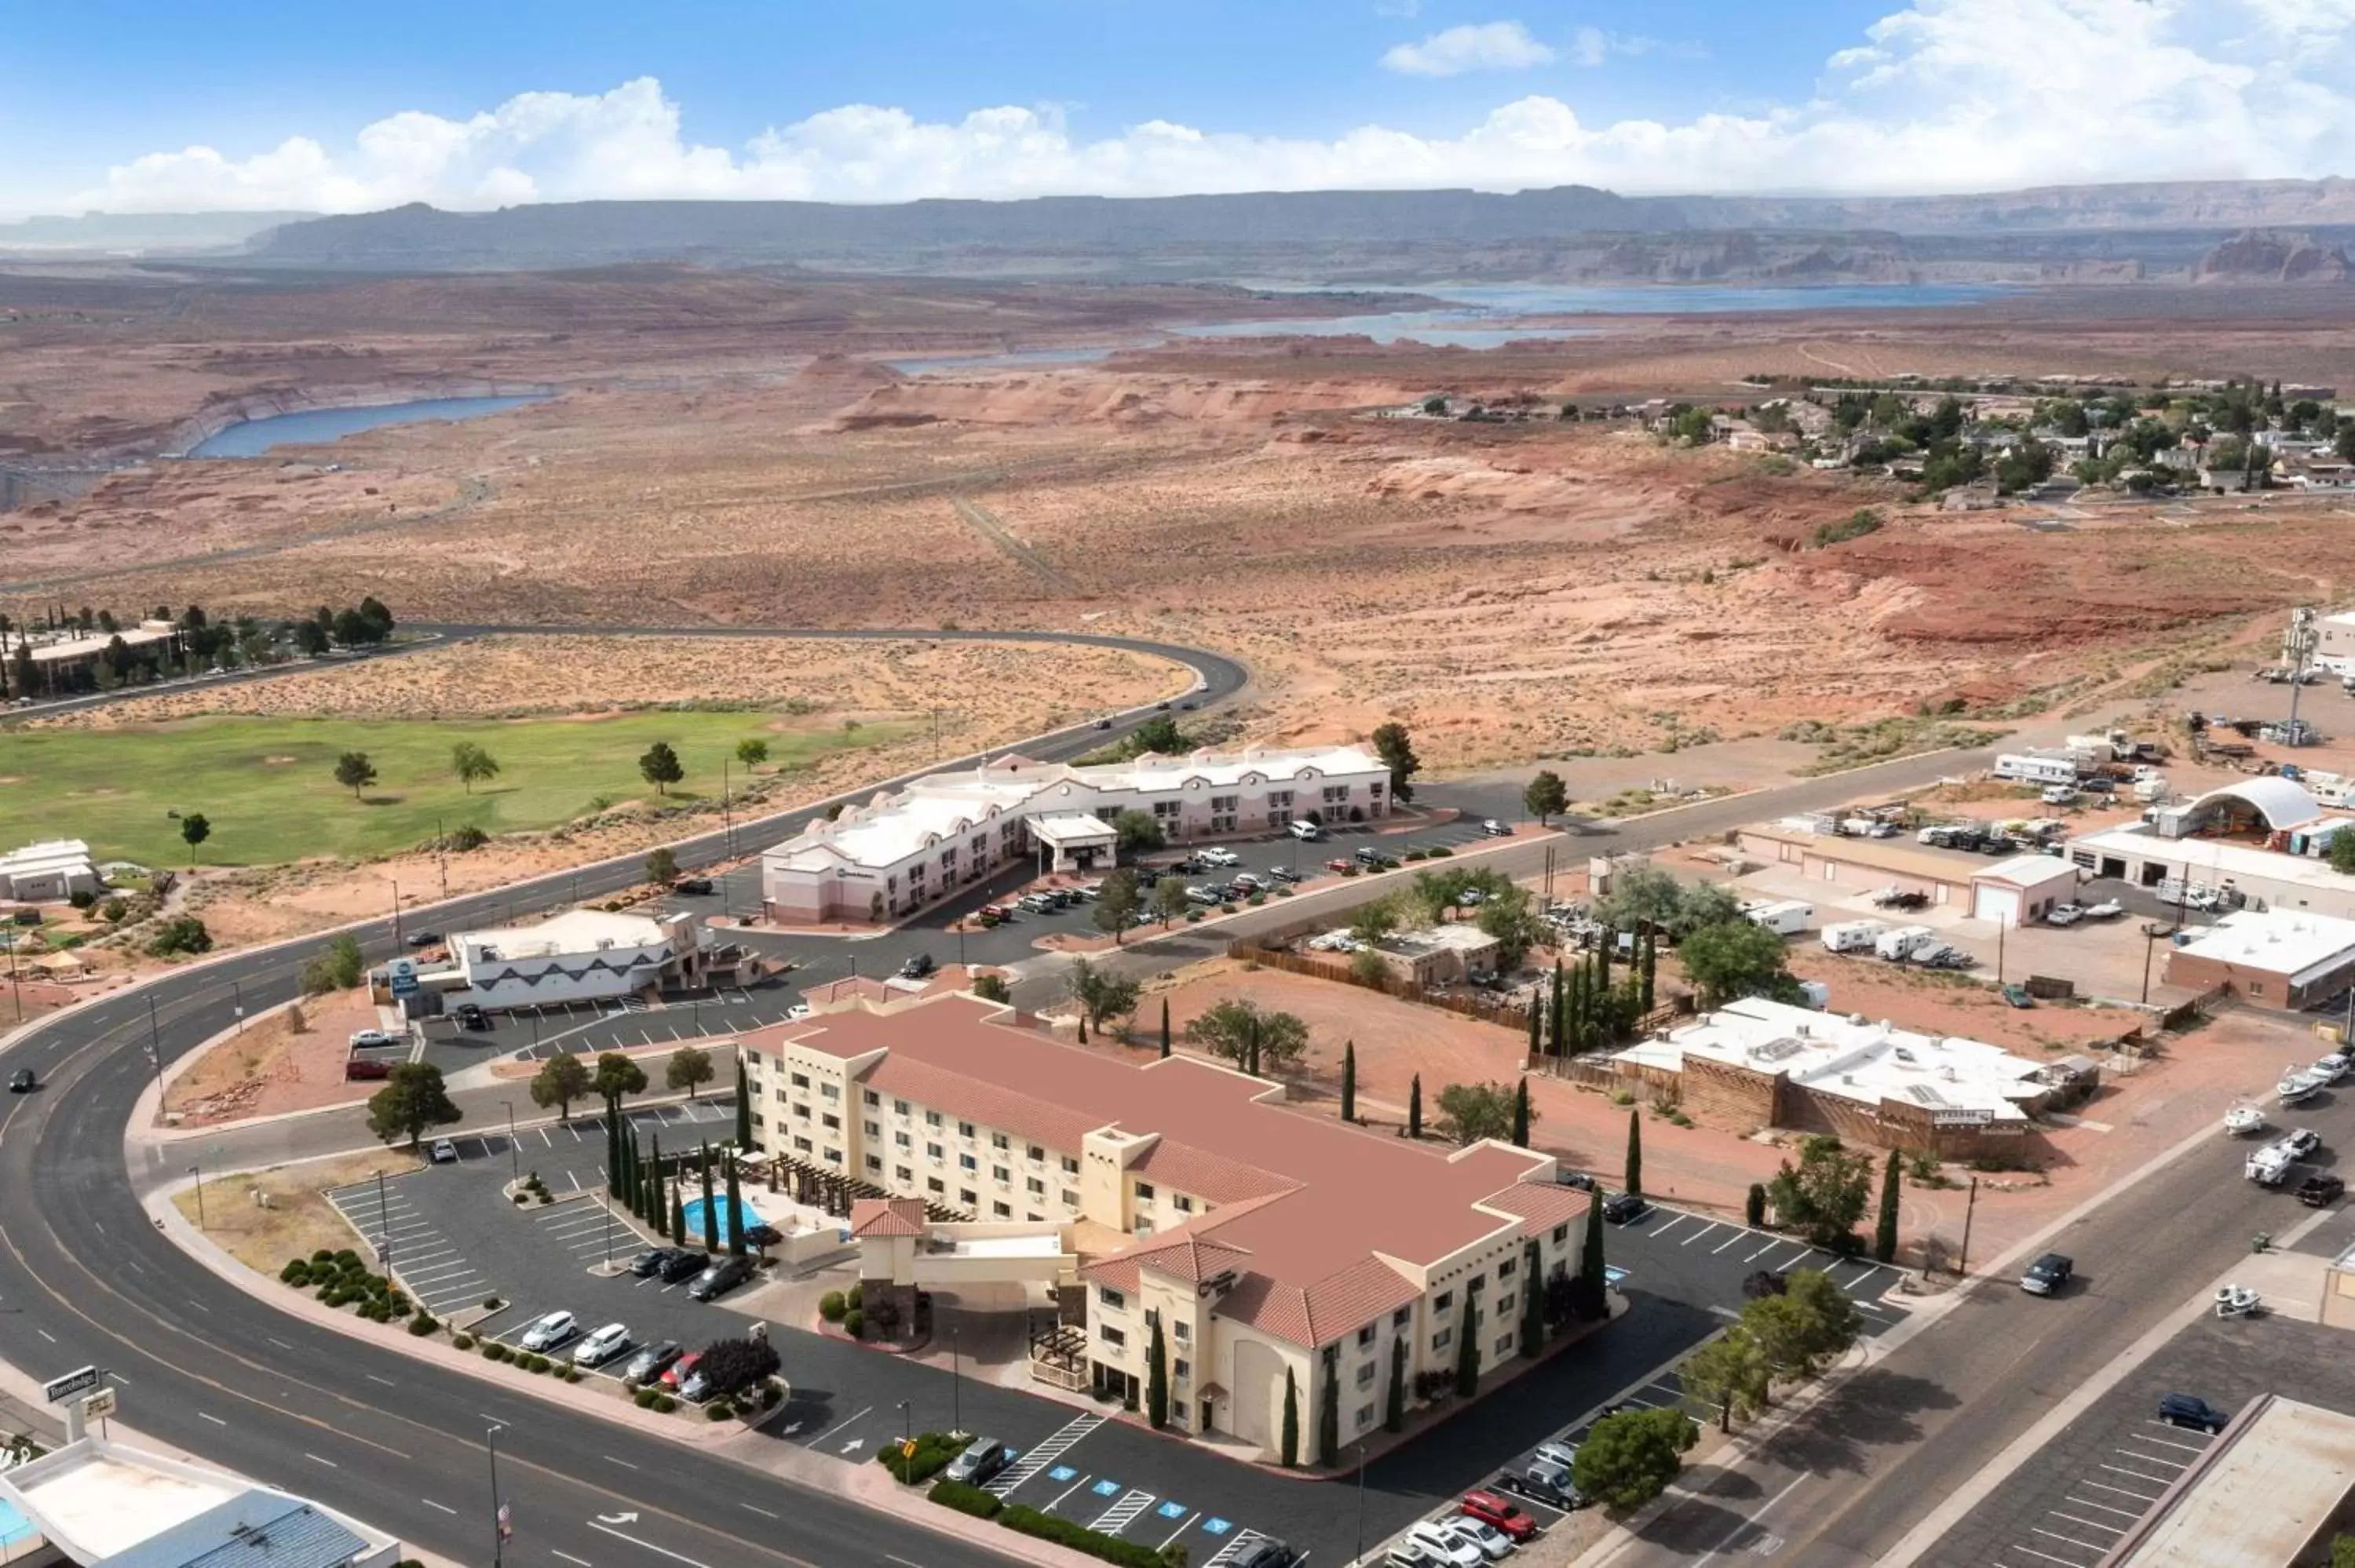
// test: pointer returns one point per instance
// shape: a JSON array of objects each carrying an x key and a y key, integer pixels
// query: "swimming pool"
[
  {"x": 14, "y": 1526},
  {"x": 745, "y": 1213}
]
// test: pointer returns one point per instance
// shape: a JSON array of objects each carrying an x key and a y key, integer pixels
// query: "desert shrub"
[
  {"x": 933, "y": 1452},
  {"x": 1069, "y": 1532},
  {"x": 854, "y": 1323},
  {"x": 296, "y": 1272},
  {"x": 462, "y": 1341},
  {"x": 572, "y": 1374},
  {"x": 831, "y": 1306},
  {"x": 966, "y": 1498},
  {"x": 718, "y": 1410},
  {"x": 645, "y": 1398},
  {"x": 665, "y": 1404},
  {"x": 771, "y": 1396},
  {"x": 1439, "y": 852},
  {"x": 323, "y": 1256}
]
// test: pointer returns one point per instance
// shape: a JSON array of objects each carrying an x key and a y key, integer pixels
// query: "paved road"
[{"x": 1844, "y": 1485}]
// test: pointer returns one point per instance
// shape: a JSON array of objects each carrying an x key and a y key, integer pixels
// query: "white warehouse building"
[
  {"x": 581, "y": 955},
  {"x": 901, "y": 852}
]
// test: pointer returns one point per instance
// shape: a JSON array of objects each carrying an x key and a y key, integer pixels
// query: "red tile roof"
[
  {"x": 1306, "y": 1202},
  {"x": 886, "y": 1217}
]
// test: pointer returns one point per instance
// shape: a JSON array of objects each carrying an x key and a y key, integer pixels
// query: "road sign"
[
  {"x": 907, "y": 1450},
  {"x": 59, "y": 1389},
  {"x": 99, "y": 1405}
]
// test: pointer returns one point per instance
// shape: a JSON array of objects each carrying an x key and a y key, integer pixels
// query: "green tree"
[
  {"x": 1511, "y": 918},
  {"x": 1642, "y": 898},
  {"x": 1101, "y": 993},
  {"x": 1753, "y": 1206},
  {"x": 1468, "y": 1348},
  {"x": 1636, "y": 1153},
  {"x": 658, "y": 765},
  {"x": 1800, "y": 1331},
  {"x": 678, "y": 1205},
  {"x": 181, "y": 934},
  {"x": 1328, "y": 1416},
  {"x": 2342, "y": 1551},
  {"x": 1884, "y": 1225},
  {"x": 339, "y": 966},
  {"x": 1727, "y": 1375},
  {"x": 1414, "y": 1107},
  {"x": 991, "y": 986},
  {"x": 1629, "y": 1458},
  {"x": 1348, "y": 1080},
  {"x": 616, "y": 1077},
  {"x": 562, "y": 1079},
  {"x": 471, "y": 764},
  {"x": 194, "y": 830},
  {"x": 1588, "y": 1299},
  {"x": 1238, "y": 1031},
  {"x": 752, "y": 752},
  {"x": 1470, "y": 1112},
  {"x": 412, "y": 1100},
  {"x": 1394, "y": 1402},
  {"x": 690, "y": 1068},
  {"x": 1165, "y": 1029},
  {"x": 1522, "y": 1115},
  {"x": 1825, "y": 1193},
  {"x": 662, "y": 867},
  {"x": 1732, "y": 958},
  {"x": 1392, "y": 745},
  {"x": 1116, "y": 904},
  {"x": 355, "y": 772},
  {"x": 1156, "y": 1378},
  {"x": 1136, "y": 832},
  {"x": 1533, "y": 1301},
  {"x": 1372, "y": 922},
  {"x": 1291, "y": 1439},
  {"x": 743, "y": 1108},
  {"x": 2342, "y": 852},
  {"x": 1169, "y": 900},
  {"x": 1546, "y": 795},
  {"x": 735, "y": 1209}
]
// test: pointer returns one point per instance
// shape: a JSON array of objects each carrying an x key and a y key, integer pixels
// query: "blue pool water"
[
  {"x": 311, "y": 426},
  {"x": 14, "y": 1526},
  {"x": 746, "y": 1215}
]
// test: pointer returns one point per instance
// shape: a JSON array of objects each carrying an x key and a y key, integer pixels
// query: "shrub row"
[
  {"x": 656, "y": 1400},
  {"x": 966, "y": 1498},
  {"x": 1028, "y": 1520},
  {"x": 933, "y": 1452}
]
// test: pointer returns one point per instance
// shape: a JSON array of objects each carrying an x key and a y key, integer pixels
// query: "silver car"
[{"x": 549, "y": 1332}]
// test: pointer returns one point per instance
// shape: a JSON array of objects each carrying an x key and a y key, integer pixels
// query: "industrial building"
[
  {"x": 2022, "y": 889},
  {"x": 902, "y": 851},
  {"x": 581, "y": 955},
  {"x": 2260, "y": 839},
  {"x": 48, "y": 872},
  {"x": 1756, "y": 1062},
  {"x": 1863, "y": 865},
  {"x": 2276, "y": 957},
  {"x": 1273, "y": 1248}
]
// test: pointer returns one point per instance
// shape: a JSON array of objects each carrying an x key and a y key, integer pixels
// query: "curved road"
[{"x": 86, "y": 1279}]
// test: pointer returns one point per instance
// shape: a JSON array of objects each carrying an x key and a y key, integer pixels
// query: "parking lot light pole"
[
  {"x": 514, "y": 1156},
  {"x": 906, "y": 1433},
  {"x": 499, "y": 1508},
  {"x": 1360, "y": 1557},
  {"x": 383, "y": 1226},
  {"x": 197, "y": 1172},
  {"x": 956, "y": 1385}
]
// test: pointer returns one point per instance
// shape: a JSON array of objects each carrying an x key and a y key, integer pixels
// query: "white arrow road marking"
[{"x": 617, "y": 1519}]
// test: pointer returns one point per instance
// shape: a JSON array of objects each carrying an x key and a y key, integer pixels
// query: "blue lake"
[{"x": 311, "y": 426}]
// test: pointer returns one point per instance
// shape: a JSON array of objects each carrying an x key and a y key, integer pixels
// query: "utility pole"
[
  {"x": 15, "y": 990},
  {"x": 499, "y": 1525},
  {"x": 236, "y": 1002},
  {"x": 1999, "y": 924},
  {"x": 155, "y": 1051},
  {"x": 396, "y": 914},
  {"x": 197, "y": 1171},
  {"x": 514, "y": 1157},
  {"x": 441, "y": 855},
  {"x": 1360, "y": 1557},
  {"x": 1970, "y": 1207},
  {"x": 956, "y": 1385},
  {"x": 383, "y": 1228},
  {"x": 727, "y": 820}
]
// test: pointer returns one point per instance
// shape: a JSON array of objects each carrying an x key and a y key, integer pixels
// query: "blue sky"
[{"x": 519, "y": 99}]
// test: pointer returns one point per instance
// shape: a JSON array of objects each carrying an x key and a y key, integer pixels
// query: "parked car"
[
  {"x": 1267, "y": 1551},
  {"x": 648, "y": 1264},
  {"x": 684, "y": 1263},
  {"x": 371, "y": 1040},
  {"x": 1578, "y": 1179},
  {"x": 1217, "y": 856},
  {"x": 649, "y": 1363},
  {"x": 2107, "y": 909},
  {"x": 1492, "y": 828},
  {"x": 696, "y": 1386},
  {"x": 1283, "y": 874},
  {"x": 675, "y": 1375},
  {"x": 1550, "y": 1484},
  {"x": 1499, "y": 1514},
  {"x": 1559, "y": 1454},
  {"x": 1103, "y": 723},
  {"x": 359, "y": 1069},
  {"x": 22, "y": 1082},
  {"x": 2189, "y": 1410},
  {"x": 2321, "y": 1190},
  {"x": 1340, "y": 863},
  {"x": 550, "y": 1330},
  {"x": 698, "y": 886},
  {"x": 444, "y": 1152},
  {"x": 2048, "y": 1276},
  {"x": 1366, "y": 854},
  {"x": 1494, "y": 1543},
  {"x": 1305, "y": 830},
  {"x": 918, "y": 966},
  {"x": 425, "y": 938},
  {"x": 982, "y": 1459},
  {"x": 470, "y": 1016},
  {"x": 1623, "y": 1207},
  {"x": 601, "y": 1346},
  {"x": 1443, "y": 1545},
  {"x": 720, "y": 1278},
  {"x": 2016, "y": 995},
  {"x": 2301, "y": 1142}
]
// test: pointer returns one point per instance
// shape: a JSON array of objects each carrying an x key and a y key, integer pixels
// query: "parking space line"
[
  {"x": 2066, "y": 1540},
  {"x": 1121, "y": 1514},
  {"x": 2122, "y": 1491},
  {"x": 1662, "y": 1232},
  {"x": 2046, "y": 1556},
  {"x": 2138, "y": 1474},
  {"x": 1763, "y": 1251},
  {"x": 2171, "y": 1443},
  {"x": 2088, "y": 1523},
  {"x": 2151, "y": 1458},
  {"x": 1179, "y": 1530},
  {"x": 1709, "y": 1230},
  {"x": 1729, "y": 1241},
  {"x": 2106, "y": 1507}
]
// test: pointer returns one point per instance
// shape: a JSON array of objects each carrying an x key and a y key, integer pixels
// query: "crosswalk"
[{"x": 1049, "y": 1449}]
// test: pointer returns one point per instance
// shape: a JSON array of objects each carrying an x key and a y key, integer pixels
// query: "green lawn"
[{"x": 268, "y": 786}]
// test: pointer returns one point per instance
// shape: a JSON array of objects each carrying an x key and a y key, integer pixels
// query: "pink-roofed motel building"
[
  {"x": 1262, "y": 1240},
  {"x": 902, "y": 851}
]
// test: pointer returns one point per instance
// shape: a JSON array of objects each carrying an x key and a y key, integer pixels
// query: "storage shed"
[{"x": 2022, "y": 889}]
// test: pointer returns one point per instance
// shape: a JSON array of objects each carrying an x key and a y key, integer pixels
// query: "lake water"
[{"x": 311, "y": 426}]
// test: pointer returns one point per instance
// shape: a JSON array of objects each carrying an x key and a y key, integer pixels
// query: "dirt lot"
[
  {"x": 297, "y": 1221},
  {"x": 269, "y": 1067}
]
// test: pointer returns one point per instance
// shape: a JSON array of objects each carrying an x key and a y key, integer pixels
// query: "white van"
[{"x": 1305, "y": 831}]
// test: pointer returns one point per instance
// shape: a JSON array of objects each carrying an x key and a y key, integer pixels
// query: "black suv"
[
  {"x": 2048, "y": 1276},
  {"x": 649, "y": 1262},
  {"x": 721, "y": 1277},
  {"x": 692, "y": 885},
  {"x": 471, "y": 1016},
  {"x": 917, "y": 967},
  {"x": 683, "y": 1265},
  {"x": 2189, "y": 1410},
  {"x": 1624, "y": 1207},
  {"x": 1265, "y": 1552}
]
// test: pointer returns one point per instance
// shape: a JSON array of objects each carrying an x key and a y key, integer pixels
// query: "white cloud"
[
  {"x": 1398, "y": 8},
  {"x": 1945, "y": 95},
  {"x": 1491, "y": 46},
  {"x": 1591, "y": 45}
]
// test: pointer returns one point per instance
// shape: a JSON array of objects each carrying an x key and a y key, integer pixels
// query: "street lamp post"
[
  {"x": 906, "y": 1433},
  {"x": 956, "y": 1385},
  {"x": 499, "y": 1508},
  {"x": 514, "y": 1156},
  {"x": 197, "y": 1171},
  {"x": 383, "y": 1226},
  {"x": 396, "y": 914},
  {"x": 1362, "y": 1502}
]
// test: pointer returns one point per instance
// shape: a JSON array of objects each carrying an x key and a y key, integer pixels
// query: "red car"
[
  {"x": 679, "y": 1371},
  {"x": 1490, "y": 1509},
  {"x": 1340, "y": 863},
  {"x": 359, "y": 1067}
]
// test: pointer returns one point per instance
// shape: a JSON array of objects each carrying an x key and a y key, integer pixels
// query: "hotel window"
[
  {"x": 948, "y": 859},
  {"x": 1504, "y": 1343},
  {"x": 1000, "y": 1174},
  {"x": 830, "y": 1091},
  {"x": 904, "y": 1176},
  {"x": 1177, "y": 1409},
  {"x": 964, "y": 1129},
  {"x": 873, "y": 1099},
  {"x": 903, "y": 1139},
  {"x": 1561, "y": 1235},
  {"x": 898, "y": 1107},
  {"x": 1037, "y": 1152},
  {"x": 875, "y": 1163},
  {"x": 1034, "y": 1217},
  {"x": 1365, "y": 1416},
  {"x": 1374, "y": 789},
  {"x": 1112, "y": 1336},
  {"x": 1001, "y": 1211},
  {"x": 801, "y": 1080},
  {"x": 802, "y": 1144},
  {"x": 932, "y": 1151},
  {"x": 1181, "y": 1369},
  {"x": 803, "y": 1112},
  {"x": 1504, "y": 1303},
  {"x": 1402, "y": 1317},
  {"x": 1446, "y": 1299},
  {"x": 1166, "y": 810},
  {"x": 1145, "y": 1191},
  {"x": 1106, "y": 1295},
  {"x": 998, "y": 1141},
  {"x": 1182, "y": 1329},
  {"x": 834, "y": 1156},
  {"x": 932, "y": 1184},
  {"x": 1185, "y": 1204},
  {"x": 1334, "y": 793},
  {"x": 1366, "y": 1335},
  {"x": 1071, "y": 1166},
  {"x": 1225, "y": 803},
  {"x": 1365, "y": 1375},
  {"x": 873, "y": 1129},
  {"x": 1505, "y": 1269},
  {"x": 1037, "y": 1188},
  {"x": 966, "y": 1162},
  {"x": 1280, "y": 799},
  {"x": 1439, "y": 1341},
  {"x": 964, "y": 1196},
  {"x": 1070, "y": 1199},
  {"x": 831, "y": 1122},
  {"x": 781, "y": 1097},
  {"x": 932, "y": 1119}
]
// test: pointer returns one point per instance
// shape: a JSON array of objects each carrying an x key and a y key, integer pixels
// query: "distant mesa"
[{"x": 2273, "y": 256}]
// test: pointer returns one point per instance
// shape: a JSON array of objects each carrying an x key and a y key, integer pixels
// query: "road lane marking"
[
  {"x": 624, "y": 1463},
  {"x": 317, "y": 1460},
  {"x": 764, "y": 1513},
  {"x": 445, "y": 1508},
  {"x": 837, "y": 1427},
  {"x": 213, "y": 1419},
  {"x": 650, "y": 1546},
  {"x": 386, "y": 1381},
  {"x": 1752, "y": 1522}
]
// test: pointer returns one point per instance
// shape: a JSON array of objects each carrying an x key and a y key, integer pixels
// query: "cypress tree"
[
  {"x": 629, "y": 1193},
  {"x": 1254, "y": 1047},
  {"x": 1521, "y": 1116},
  {"x": 1156, "y": 1380},
  {"x": 1884, "y": 1226},
  {"x": 1561, "y": 1008},
  {"x": 1754, "y": 1207},
  {"x": 1414, "y": 1108},
  {"x": 1536, "y": 1042},
  {"x": 1532, "y": 1301},
  {"x": 1348, "y": 1080},
  {"x": 711, "y": 1214},
  {"x": 1290, "y": 1451},
  {"x": 678, "y": 1213},
  {"x": 1636, "y": 1153},
  {"x": 1587, "y": 1300},
  {"x": 658, "y": 1212},
  {"x": 1603, "y": 957},
  {"x": 735, "y": 1212},
  {"x": 1329, "y": 1417},
  {"x": 1164, "y": 1028},
  {"x": 1651, "y": 958},
  {"x": 1395, "y": 1404},
  {"x": 1467, "y": 1351},
  {"x": 612, "y": 1154},
  {"x": 743, "y": 1109}
]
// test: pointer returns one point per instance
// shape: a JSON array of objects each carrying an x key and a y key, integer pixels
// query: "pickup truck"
[{"x": 2319, "y": 1191}]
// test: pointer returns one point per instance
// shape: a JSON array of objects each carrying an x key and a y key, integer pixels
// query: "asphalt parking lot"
[
  {"x": 570, "y": 1156},
  {"x": 2068, "y": 1503}
]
